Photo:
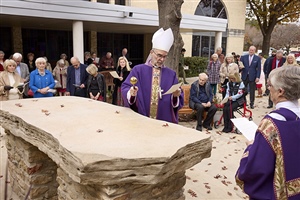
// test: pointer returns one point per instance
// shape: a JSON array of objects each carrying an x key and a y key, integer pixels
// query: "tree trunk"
[
  {"x": 169, "y": 12},
  {"x": 266, "y": 44}
]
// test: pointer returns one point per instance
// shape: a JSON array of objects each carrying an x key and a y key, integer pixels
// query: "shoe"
[
  {"x": 226, "y": 130},
  {"x": 199, "y": 128},
  {"x": 251, "y": 106},
  {"x": 265, "y": 94},
  {"x": 270, "y": 106},
  {"x": 186, "y": 82},
  {"x": 208, "y": 127}
]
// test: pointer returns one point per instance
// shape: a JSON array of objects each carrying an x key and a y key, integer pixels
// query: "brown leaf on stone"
[
  {"x": 221, "y": 161},
  {"x": 44, "y": 111},
  {"x": 228, "y": 142},
  {"x": 224, "y": 182},
  {"x": 117, "y": 112},
  {"x": 219, "y": 132},
  {"x": 165, "y": 125},
  {"x": 229, "y": 193},
  {"x": 192, "y": 193},
  {"x": 205, "y": 183},
  {"x": 192, "y": 169},
  {"x": 207, "y": 132},
  {"x": 1, "y": 176},
  {"x": 224, "y": 168},
  {"x": 62, "y": 106},
  {"x": 208, "y": 191},
  {"x": 214, "y": 147},
  {"x": 235, "y": 188},
  {"x": 217, "y": 176},
  {"x": 225, "y": 177},
  {"x": 187, "y": 177},
  {"x": 233, "y": 137},
  {"x": 206, "y": 171},
  {"x": 228, "y": 182},
  {"x": 207, "y": 187},
  {"x": 18, "y": 104},
  {"x": 195, "y": 181},
  {"x": 209, "y": 164},
  {"x": 99, "y": 130},
  {"x": 225, "y": 157},
  {"x": 229, "y": 154},
  {"x": 47, "y": 113},
  {"x": 34, "y": 100}
]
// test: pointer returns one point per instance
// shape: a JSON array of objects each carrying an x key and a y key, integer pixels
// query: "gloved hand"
[{"x": 7, "y": 87}]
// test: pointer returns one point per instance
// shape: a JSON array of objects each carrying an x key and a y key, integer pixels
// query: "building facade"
[{"x": 49, "y": 28}]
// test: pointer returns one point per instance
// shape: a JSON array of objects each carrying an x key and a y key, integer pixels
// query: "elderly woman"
[
  {"x": 290, "y": 61},
  {"x": 123, "y": 71},
  {"x": 269, "y": 168},
  {"x": 60, "y": 75},
  {"x": 10, "y": 82},
  {"x": 234, "y": 93},
  {"x": 41, "y": 80},
  {"x": 213, "y": 70},
  {"x": 96, "y": 88},
  {"x": 228, "y": 67}
]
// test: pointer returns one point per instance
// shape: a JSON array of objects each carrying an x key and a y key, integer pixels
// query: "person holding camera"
[{"x": 11, "y": 83}]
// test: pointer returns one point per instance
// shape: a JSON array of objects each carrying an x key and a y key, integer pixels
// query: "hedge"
[{"x": 196, "y": 65}]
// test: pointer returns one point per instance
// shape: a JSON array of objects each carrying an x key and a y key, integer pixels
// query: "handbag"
[
  {"x": 100, "y": 98},
  {"x": 30, "y": 93}
]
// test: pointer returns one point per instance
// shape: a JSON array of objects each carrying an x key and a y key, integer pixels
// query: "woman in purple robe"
[{"x": 270, "y": 166}]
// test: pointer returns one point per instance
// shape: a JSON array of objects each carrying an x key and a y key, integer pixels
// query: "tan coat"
[
  {"x": 63, "y": 72},
  {"x": 4, "y": 80},
  {"x": 225, "y": 70}
]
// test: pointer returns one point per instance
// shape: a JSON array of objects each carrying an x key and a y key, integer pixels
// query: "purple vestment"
[
  {"x": 143, "y": 73},
  {"x": 270, "y": 167}
]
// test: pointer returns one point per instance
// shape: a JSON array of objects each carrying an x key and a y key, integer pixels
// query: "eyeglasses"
[{"x": 160, "y": 56}]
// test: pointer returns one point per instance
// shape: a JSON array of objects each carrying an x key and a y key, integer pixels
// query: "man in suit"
[
  {"x": 266, "y": 70},
  {"x": 76, "y": 78},
  {"x": 251, "y": 72},
  {"x": 23, "y": 70},
  {"x": 275, "y": 62}
]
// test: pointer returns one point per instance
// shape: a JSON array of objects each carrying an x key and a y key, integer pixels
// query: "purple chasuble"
[
  {"x": 165, "y": 110},
  {"x": 270, "y": 167}
]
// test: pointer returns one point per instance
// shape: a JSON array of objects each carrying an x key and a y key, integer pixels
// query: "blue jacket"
[
  {"x": 39, "y": 82},
  {"x": 253, "y": 70},
  {"x": 194, "y": 94},
  {"x": 71, "y": 78}
]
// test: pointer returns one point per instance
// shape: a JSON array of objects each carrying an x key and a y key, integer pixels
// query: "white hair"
[{"x": 17, "y": 55}]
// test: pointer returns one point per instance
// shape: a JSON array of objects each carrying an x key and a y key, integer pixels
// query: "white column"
[
  {"x": 78, "y": 40},
  {"x": 111, "y": 1},
  {"x": 218, "y": 39}
]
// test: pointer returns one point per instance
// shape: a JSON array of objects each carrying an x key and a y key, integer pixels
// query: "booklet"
[
  {"x": 114, "y": 74},
  {"x": 173, "y": 88},
  {"x": 246, "y": 127}
]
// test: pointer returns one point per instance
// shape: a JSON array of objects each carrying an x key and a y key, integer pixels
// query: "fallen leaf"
[
  {"x": 44, "y": 111},
  {"x": 221, "y": 161},
  {"x": 47, "y": 113},
  {"x": 233, "y": 137},
  {"x": 187, "y": 177},
  {"x": 192, "y": 193},
  {"x": 217, "y": 176},
  {"x": 214, "y": 147},
  {"x": 99, "y": 131},
  {"x": 192, "y": 169},
  {"x": 225, "y": 157},
  {"x": 117, "y": 112},
  {"x": 208, "y": 191},
  {"x": 165, "y": 125},
  {"x": 229, "y": 154},
  {"x": 235, "y": 188},
  {"x": 34, "y": 100},
  {"x": 224, "y": 182},
  {"x": 195, "y": 181},
  {"x": 209, "y": 164},
  {"x": 225, "y": 177},
  {"x": 228, "y": 142},
  {"x": 206, "y": 171},
  {"x": 62, "y": 106},
  {"x": 18, "y": 104},
  {"x": 207, "y": 186},
  {"x": 224, "y": 168},
  {"x": 229, "y": 193},
  {"x": 219, "y": 132}
]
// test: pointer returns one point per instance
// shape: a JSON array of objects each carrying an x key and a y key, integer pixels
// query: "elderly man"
[
  {"x": 107, "y": 62},
  {"x": 76, "y": 79},
  {"x": 146, "y": 96},
  {"x": 23, "y": 70},
  {"x": 275, "y": 63},
  {"x": 201, "y": 98},
  {"x": 251, "y": 72},
  {"x": 221, "y": 56},
  {"x": 266, "y": 70}
]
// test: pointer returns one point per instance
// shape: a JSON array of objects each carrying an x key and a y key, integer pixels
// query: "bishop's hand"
[
  {"x": 177, "y": 93},
  {"x": 133, "y": 91}
]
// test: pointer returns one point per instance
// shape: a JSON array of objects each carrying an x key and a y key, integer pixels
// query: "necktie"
[{"x": 250, "y": 60}]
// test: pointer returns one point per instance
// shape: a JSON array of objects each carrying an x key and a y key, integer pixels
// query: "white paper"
[
  {"x": 114, "y": 74},
  {"x": 51, "y": 90},
  {"x": 173, "y": 88},
  {"x": 224, "y": 100},
  {"x": 246, "y": 127}
]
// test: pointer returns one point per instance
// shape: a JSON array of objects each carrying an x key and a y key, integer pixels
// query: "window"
[{"x": 203, "y": 43}]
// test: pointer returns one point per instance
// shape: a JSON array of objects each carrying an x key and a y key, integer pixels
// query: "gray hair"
[
  {"x": 92, "y": 69},
  {"x": 61, "y": 61},
  {"x": 214, "y": 55},
  {"x": 204, "y": 75},
  {"x": 17, "y": 55},
  {"x": 40, "y": 59},
  {"x": 287, "y": 79},
  {"x": 279, "y": 51}
]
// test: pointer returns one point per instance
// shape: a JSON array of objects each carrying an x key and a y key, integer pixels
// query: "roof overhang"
[{"x": 100, "y": 17}]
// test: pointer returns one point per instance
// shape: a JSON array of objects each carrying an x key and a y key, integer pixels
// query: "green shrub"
[{"x": 196, "y": 65}]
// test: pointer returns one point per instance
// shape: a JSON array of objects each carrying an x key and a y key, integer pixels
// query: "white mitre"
[{"x": 163, "y": 40}]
